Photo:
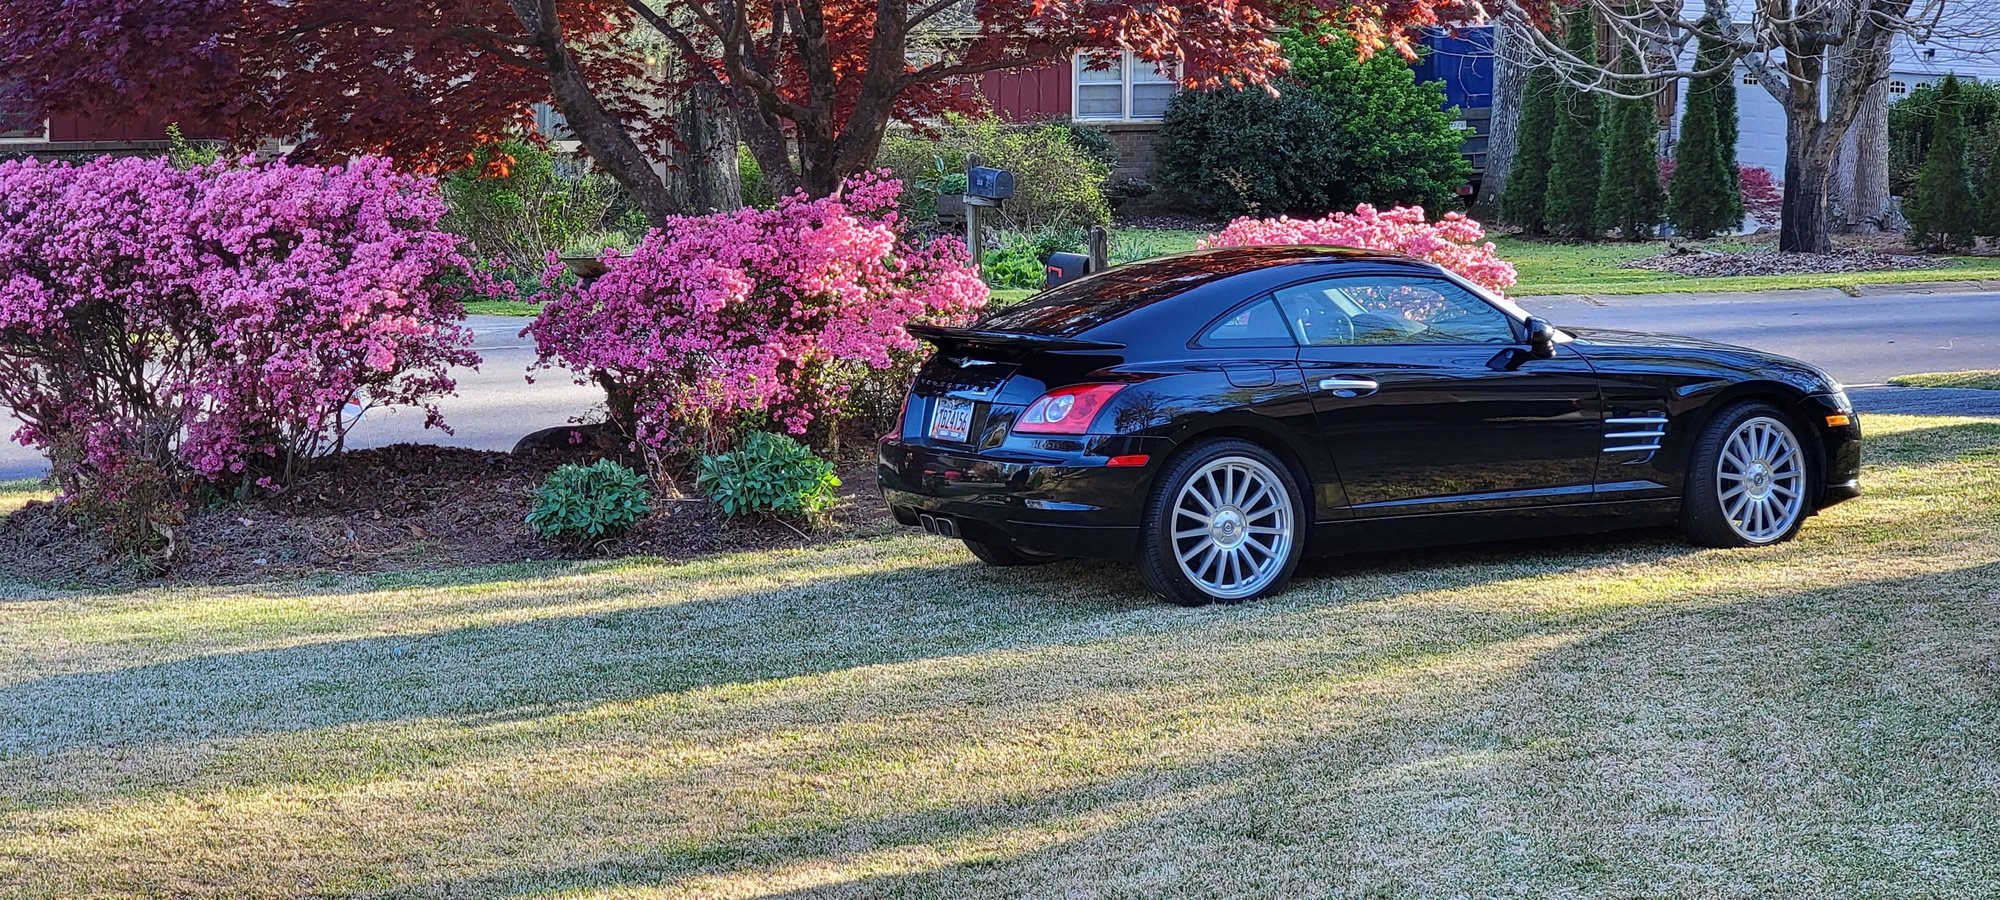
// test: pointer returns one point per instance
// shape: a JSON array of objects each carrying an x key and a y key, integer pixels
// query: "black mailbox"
[
  {"x": 989, "y": 183},
  {"x": 1063, "y": 268}
]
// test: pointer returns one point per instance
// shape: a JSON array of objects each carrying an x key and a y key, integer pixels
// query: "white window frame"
[
  {"x": 1898, "y": 87},
  {"x": 1127, "y": 64},
  {"x": 42, "y": 138}
]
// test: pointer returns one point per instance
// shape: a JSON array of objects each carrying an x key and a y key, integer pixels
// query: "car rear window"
[{"x": 1081, "y": 305}]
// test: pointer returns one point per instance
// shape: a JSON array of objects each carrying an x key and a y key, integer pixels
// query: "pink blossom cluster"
[
  {"x": 1454, "y": 242},
  {"x": 754, "y": 312},
  {"x": 213, "y": 323}
]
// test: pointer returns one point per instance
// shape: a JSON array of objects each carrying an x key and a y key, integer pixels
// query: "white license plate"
[{"x": 951, "y": 420}]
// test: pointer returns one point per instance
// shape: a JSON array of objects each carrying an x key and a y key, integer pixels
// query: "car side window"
[
  {"x": 1392, "y": 309},
  {"x": 1259, "y": 324}
]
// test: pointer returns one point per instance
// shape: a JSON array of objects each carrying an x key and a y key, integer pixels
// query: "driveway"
[{"x": 1863, "y": 341}]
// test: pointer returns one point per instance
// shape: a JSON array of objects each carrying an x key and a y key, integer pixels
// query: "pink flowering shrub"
[
  {"x": 1763, "y": 194},
  {"x": 715, "y": 322},
  {"x": 1454, "y": 242},
  {"x": 163, "y": 329}
]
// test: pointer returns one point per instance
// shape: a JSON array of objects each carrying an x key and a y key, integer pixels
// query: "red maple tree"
[{"x": 812, "y": 85}]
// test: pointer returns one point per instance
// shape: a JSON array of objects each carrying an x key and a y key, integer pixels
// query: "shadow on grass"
[
  {"x": 556, "y": 662},
  {"x": 1679, "y": 749}
]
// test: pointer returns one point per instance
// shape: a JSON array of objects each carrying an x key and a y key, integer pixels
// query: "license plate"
[{"x": 951, "y": 419}]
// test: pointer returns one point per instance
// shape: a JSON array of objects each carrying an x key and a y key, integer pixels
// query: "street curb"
[{"x": 1825, "y": 293}]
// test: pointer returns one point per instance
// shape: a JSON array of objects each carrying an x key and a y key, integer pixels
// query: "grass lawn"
[
  {"x": 1553, "y": 268},
  {"x": 1613, "y": 716},
  {"x": 1987, "y": 380},
  {"x": 15, "y": 493},
  {"x": 502, "y": 308}
]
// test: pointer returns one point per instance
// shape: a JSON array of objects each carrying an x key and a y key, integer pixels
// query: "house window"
[
  {"x": 17, "y": 125},
  {"x": 552, "y": 124},
  {"x": 1749, "y": 78},
  {"x": 1898, "y": 88},
  {"x": 1129, "y": 89}
]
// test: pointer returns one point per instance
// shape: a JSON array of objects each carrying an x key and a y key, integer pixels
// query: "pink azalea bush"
[
  {"x": 1454, "y": 242},
  {"x": 715, "y": 322},
  {"x": 162, "y": 329}
]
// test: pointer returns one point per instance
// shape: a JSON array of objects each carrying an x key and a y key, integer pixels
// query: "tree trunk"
[
  {"x": 1860, "y": 191},
  {"x": 701, "y": 160},
  {"x": 1804, "y": 226},
  {"x": 602, "y": 134},
  {"x": 1509, "y": 77}
]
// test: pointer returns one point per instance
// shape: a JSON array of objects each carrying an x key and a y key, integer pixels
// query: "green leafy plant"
[
  {"x": 186, "y": 154},
  {"x": 1058, "y": 184},
  {"x": 587, "y": 504},
  {"x": 1092, "y": 140},
  {"x": 517, "y": 202},
  {"x": 769, "y": 474},
  {"x": 1575, "y": 152},
  {"x": 1943, "y": 215},
  {"x": 1630, "y": 198},
  {"x": 1523, "y": 203},
  {"x": 1912, "y": 118},
  {"x": 1703, "y": 196},
  {"x": 756, "y": 190},
  {"x": 953, "y": 183},
  {"x": 1013, "y": 267},
  {"x": 1342, "y": 131}
]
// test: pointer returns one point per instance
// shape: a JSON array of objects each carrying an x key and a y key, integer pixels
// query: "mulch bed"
[
  {"x": 404, "y": 507},
  {"x": 1707, "y": 263},
  {"x": 1169, "y": 219}
]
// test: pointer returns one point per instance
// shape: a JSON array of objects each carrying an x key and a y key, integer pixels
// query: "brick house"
[{"x": 1129, "y": 99}]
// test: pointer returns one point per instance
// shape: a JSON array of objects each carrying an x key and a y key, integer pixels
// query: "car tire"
[
  {"x": 1749, "y": 481},
  {"x": 995, "y": 554},
  {"x": 1225, "y": 523}
]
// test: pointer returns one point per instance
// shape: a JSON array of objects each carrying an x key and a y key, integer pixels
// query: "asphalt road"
[
  {"x": 495, "y": 405},
  {"x": 1861, "y": 340}
]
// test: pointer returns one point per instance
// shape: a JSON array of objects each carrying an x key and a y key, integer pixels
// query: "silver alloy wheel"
[
  {"x": 1232, "y": 527},
  {"x": 1761, "y": 480}
]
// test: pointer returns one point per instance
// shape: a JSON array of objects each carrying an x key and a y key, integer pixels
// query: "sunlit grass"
[
  {"x": 1985, "y": 380},
  {"x": 1550, "y": 267},
  {"x": 15, "y": 494},
  {"x": 1611, "y": 716}
]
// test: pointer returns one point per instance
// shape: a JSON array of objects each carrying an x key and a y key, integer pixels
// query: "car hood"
[
  {"x": 1750, "y": 362},
  {"x": 1617, "y": 338}
]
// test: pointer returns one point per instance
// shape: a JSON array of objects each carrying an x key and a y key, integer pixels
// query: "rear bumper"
[{"x": 1068, "y": 503}]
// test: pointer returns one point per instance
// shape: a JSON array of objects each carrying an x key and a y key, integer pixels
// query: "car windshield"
[{"x": 1072, "y": 309}]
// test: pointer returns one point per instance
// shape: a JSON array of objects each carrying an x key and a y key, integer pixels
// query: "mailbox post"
[{"x": 984, "y": 187}]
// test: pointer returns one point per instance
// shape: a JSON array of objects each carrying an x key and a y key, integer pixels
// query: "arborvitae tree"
[
  {"x": 1574, "y": 165},
  {"x": 1703, "y": 198},
  {"x": 1989, "y": 201},
  {"x": 1722, "y": 93},
  {"x": 1629, "y": 197},
  {"x": 1943, "y": 215},
  {"x": 1522, "y": 204}
]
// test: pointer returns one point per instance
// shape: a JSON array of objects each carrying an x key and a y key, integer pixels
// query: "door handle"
[{"x": 1349, "y": 386}]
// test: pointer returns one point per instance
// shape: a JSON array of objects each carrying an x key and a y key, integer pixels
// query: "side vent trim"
[{"x": 1635, "y": 434}]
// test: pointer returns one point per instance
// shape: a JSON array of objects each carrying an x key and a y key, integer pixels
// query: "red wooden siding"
[
  {"x": 1028, "y": 95},
  {"x": 84, "y": 127}
]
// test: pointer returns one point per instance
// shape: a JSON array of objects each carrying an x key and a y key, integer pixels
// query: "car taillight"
[{"x": 1066, "y": 410}]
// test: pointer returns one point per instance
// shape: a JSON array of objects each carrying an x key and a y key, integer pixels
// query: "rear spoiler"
[{"x": 948, "y": 338}]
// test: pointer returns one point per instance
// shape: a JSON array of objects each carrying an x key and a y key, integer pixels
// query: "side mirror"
[{"x": 1541, "y": 338}]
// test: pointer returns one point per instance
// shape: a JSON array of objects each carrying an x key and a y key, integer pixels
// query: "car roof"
[{"x": 1126, "y": 297}]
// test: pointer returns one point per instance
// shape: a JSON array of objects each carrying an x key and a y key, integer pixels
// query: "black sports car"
[{"x": 1214, "y": 415}]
